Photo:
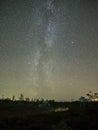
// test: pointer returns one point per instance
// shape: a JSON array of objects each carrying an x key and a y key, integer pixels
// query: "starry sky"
[{"x": 48, "y": 48}]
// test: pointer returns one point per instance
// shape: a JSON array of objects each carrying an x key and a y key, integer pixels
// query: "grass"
[{"x": 29, "y": 116}]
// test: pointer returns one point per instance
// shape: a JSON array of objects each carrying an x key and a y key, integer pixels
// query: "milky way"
[{"x": 43, "y": 56}]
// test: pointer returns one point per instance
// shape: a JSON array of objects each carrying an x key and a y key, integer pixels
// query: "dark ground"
[{"x": 32, "y": 116}]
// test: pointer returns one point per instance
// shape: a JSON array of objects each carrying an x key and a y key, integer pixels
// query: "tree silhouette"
[
  {"x": 21, "y": 98},
  {"x": 89, "y": 95},
  {"x": 27, "y": 99},
  {"x": 13, "y": 98}
]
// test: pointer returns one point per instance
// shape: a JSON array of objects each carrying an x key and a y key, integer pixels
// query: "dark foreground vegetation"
[{"x": 22, "y": 115}]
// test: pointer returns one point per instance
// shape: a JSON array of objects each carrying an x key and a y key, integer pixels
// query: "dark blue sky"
[{"x": 48, "y": 48}]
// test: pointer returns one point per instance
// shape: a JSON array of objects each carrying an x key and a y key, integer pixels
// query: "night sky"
[{"x": 48, "y": 48}]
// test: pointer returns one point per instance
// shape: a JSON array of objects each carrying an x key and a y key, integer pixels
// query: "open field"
[{"x": 35, "y": 116}]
